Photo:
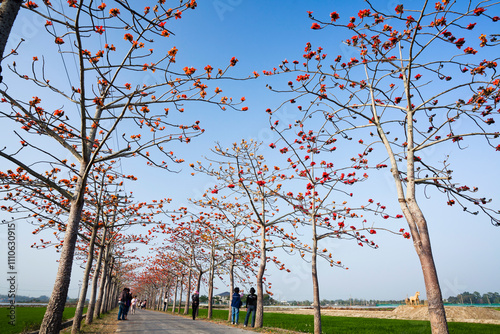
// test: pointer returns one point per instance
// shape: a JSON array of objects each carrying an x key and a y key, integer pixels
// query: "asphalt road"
[{"x": 145, "y": 321}]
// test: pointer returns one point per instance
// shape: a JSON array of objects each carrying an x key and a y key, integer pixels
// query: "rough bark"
[
  {"x": 108, "y": 289},
  {"x": 167, "y": 295},
  {"x": 175, "y": 294},
  {"x": 314, "y": 272},
  {"x": 104, "y": 280},
  {"x": 231, "y": 277},
  {"x": 111, "y": 301},
  {"x": 85, "y": 283},
  {"x": 198, "y": 284},
  {"x": 8, "y": 14},
  {"x": 161, "y": 299},
  {"x": 53, "y": 315},
  {"x": 188, "y": 289},
  {"x": 211, "y": 285},
  {"x": 420, "y": 233},
  {"x": 417, "y": 223},
  {"x": 180, "y": 294},
  {"x": 437, "y": 314},
  {"x": 97, "y": 271},
  {"x": 259, "y": 314}
]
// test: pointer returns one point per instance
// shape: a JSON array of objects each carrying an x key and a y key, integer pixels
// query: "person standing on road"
[
  {"x": 165, "y": 301},
  {"x": 235, "y": 306},
  {"x": 195, "y": 302},
  {"x": 122, "y": 300},
  {"x": 134, "y": 304},
  {"x": 128, "y": 303},
  {"x": 251, "y": 306}
]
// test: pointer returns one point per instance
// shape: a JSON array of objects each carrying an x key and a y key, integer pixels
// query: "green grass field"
[
  {"x": 28, "y": 318},
  {"x": 304, "y": 323}
]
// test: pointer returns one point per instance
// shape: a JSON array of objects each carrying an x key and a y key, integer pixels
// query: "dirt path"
[{"x": 453, "y": 313}]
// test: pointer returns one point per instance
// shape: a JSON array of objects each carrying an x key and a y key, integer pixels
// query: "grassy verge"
[
  {"x": 28, "y": 318},
  {"x": 304, "y": 324},
  {"x": 106, "y": 324}
]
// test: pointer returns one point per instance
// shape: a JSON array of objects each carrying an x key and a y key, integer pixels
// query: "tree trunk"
[
  {"x": 106, "y": 273},
  {"x": 180, "y": 294},
  {"x": 8, "y": 13},
  {"x": 211, "y": 285},
  {"x": 55, "y": 308},
  {"x": 108, "y": 285},
  {"x": 188, "y": 291},
  {"x": 107, "y": 291},
  {"x": 416, "y": 221},
  {"x": 161, "y": 299},
  {"x": 437, "y": 314},
  {"x": 175, "y": 294},
  {"x": 420, "y": 233},
  {"x": 167, "y": 295},
  {"x": 156, "y": 298},
  {"x": 85, "y": 282},
  {"x": 314, "y": 271},
  {"x": 231, "y": 277},
  {"x": 259, "y": 314},
  {"x": 113, "y": 296},
  {"x": 198, "y": 284},
  {"x": 90, "y": 310}
]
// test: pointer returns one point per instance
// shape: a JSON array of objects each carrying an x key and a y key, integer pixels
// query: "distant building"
[{"x": 223, "y": 297}]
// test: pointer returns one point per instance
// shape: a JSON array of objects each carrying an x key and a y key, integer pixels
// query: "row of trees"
[
  {"x": 475, "y": 298},
  {"x": 400, "y": 95},
  {"x": 397, "y": 98},
  {"x": 108, "y": 115}
]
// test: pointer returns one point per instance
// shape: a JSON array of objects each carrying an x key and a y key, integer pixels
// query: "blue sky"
[{"x": 261, "y": 34}]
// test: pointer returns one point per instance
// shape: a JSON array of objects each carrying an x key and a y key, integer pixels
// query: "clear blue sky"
[{"x": 261, "y": 34}]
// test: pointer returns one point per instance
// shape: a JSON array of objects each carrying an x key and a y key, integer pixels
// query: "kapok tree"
[
  {"x": 418, "y": 80},
  {"x": 48, "y": 210},
  {"x": 226, "y": 236},
  {"x": 165, "y": 265},
  {"x": 201, "y": 241},
  {"x": 179, "y": 239},
  {"x": 215, "y": 253},
  {"x": 232, "y": 231},
  {"x": 243, "y": 174},
  {"x": 319, "y": 190},
  {"x": 8, "y": 14},
  {"x": 111, "y": 101},
  {"x": 186, "y": 237}
]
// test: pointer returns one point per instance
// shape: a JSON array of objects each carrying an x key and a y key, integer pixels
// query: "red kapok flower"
[{"x": 479, "y": 11}]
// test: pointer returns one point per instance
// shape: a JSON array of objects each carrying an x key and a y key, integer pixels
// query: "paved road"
[{"x": 145, "y": 321}]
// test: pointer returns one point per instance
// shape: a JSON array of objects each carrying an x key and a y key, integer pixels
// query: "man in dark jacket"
[
  {"x": 122, "y": 301},
  {"x": 235, "y": 306},
  {"x": 251, "y": 306},
  {"x": 128, "y": 302},
  {"x": 195, "y": 303}
]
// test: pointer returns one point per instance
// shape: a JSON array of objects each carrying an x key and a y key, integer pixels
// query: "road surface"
[{"x": 145, "y": 321}]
